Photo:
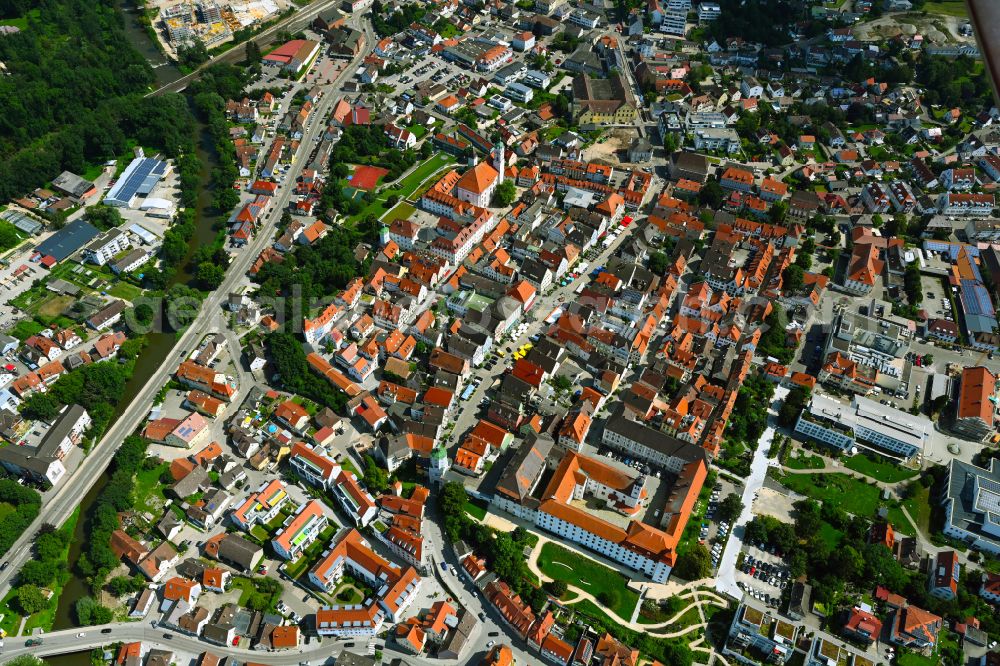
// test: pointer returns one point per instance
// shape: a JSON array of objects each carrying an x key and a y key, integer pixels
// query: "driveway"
[{"x": 725, "y": 582}]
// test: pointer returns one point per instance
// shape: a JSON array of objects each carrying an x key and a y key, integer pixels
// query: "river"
[{"x": 160, "y": 344}]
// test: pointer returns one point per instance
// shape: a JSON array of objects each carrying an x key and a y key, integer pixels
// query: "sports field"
[{"x": 366, "y": 177}]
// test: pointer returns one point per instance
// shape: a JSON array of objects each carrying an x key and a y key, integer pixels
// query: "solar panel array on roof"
[
  {"x": 976, "y": 299},
  {"x": 988, "y": 497},
  {"x": 139, "y": 178}
]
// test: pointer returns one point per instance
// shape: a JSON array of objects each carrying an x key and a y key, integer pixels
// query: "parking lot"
[
  {"x": 935, "y": 301},
  {"x": 436, "y": 69},
  {"x": 763, "y": 574},
  {"x": 719, "y": 533}
]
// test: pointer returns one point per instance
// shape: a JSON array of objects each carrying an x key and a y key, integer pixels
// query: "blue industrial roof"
[{"x": 138, "y": 178}]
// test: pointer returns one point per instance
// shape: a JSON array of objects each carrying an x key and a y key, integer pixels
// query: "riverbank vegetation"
[
  {"x": 98, "y": 559},
  {"x": 18, "y": 507}
]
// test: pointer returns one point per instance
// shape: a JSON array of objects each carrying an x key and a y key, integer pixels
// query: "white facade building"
[
  {"x": 864, "y": 422},
  {"x": 103, "y": 248}
]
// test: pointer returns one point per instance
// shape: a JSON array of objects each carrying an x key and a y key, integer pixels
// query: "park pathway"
[{"x": 698, "y": 597}]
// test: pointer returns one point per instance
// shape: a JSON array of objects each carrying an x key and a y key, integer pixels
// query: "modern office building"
[
  {"x": 972, "y": 505},
  {"x": 864, "y": 423}
]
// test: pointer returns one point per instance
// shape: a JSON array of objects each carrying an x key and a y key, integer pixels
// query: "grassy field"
[
  {"x": 919, "y": 508},
  {"x": 581, "y": 572},
  {"x": 418, "y": 130},
  {"x": 54, "y": 306},
  {"x": 830, "y": 535},
  {"x": 947, "y": 7},
  {"x": 849, "y": 494},
  {"x": 422, "y": 173},
  {"x": 11, "y": 621},
  {"x": 92, "y": 172},
  {"x": 25, "y": 328},
  {"x": 20, "y": 22},
  {"x": 476, "y": 509},
  {"x": 246, "y": 588},
  {"x": 401, "y": 211},
  {"x": 885, "y": 471},
  {"x": 802, "y": 460},
  {"x": 587, "y": 607},
  {"x": 149, "y": 495},
  {"x": 914, "y": 659},
  {"x": 125, "y": 290}
]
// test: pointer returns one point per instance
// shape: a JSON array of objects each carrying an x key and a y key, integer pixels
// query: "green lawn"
[
  {"x": 348, "y": 593},
  {"x": 830, "y": 535},
  {"x": 20, "y": 22},
  {"x": 948, "y": 7},
  {"x": 801, "y": 460},
  {"x": 92, "y": 172},
  {"x": 581, "y": 572},
  {"x": 844, "y": 491},
  {"x": 26, "y": 328},
  {"x": 149, "y": 492},
  {"x": 476, "y": 509},
  {"x": 914, "y": 659},
  {"x": 883, "y": 470},
  {"x": 899, "y": 521},
  {"x": 247, "y": 588},
  {"x": 11, "y": 620},
  {"x": 125, "y": 290},
  {"x": 402, "y": 211},
  {"x": 418, "y": 130},
  {"x": 421, "y": 173},
  {"x": 588, "y": 607},
  {"x": 919, "y": 508}
]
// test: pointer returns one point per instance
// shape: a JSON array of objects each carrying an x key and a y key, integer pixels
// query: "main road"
[{"x": 209, "y": 319}]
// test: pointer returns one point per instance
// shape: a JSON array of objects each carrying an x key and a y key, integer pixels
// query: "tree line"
[{"x": 46, "y": 568}]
